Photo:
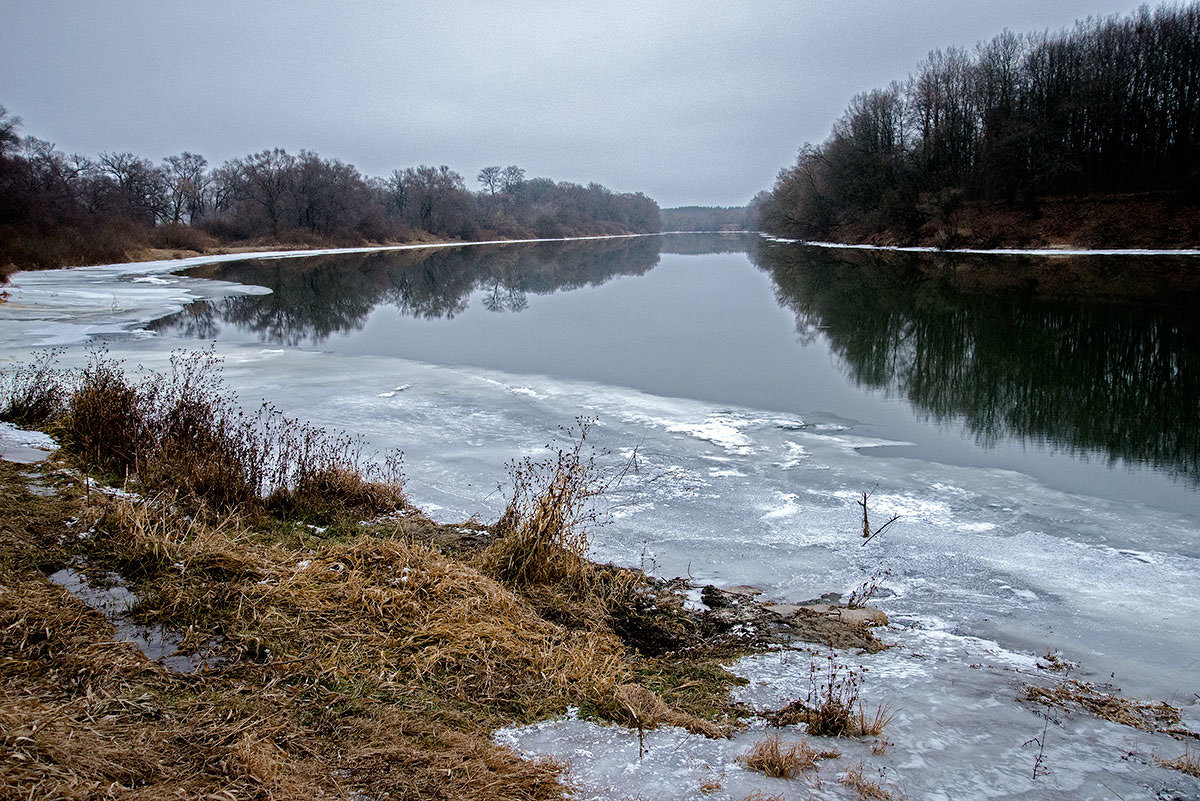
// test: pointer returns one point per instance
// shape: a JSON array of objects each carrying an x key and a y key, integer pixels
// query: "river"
[{"x": 1040, "y": 443}]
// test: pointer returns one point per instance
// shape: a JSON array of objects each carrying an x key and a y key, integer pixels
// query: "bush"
[
  {"x": 33, "y": 393},
  {"x": 181, "y": 237},
  {"x": 781, "y": 760},
  {"x": 542, "y": 536},
  {"x": 185, "y": 433},
  {"x": 103, "y": 419}
]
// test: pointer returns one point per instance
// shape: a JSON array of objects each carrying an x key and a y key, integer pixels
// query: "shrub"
[
  {"x": 542, "y": 536},
  {"x": 103, "y": 419},
  {"x": 185, "y": 433},
  {"x": 831, "y": 707},
  {"x": 33, "y": 393},
  {"x": 181, "y": 237}
]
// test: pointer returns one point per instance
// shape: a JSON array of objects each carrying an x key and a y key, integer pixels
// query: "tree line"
[
  {"x": 1110, "y": 106},
  {"x": 58, "y": 208},
  {"x": 705, "y": 218}
]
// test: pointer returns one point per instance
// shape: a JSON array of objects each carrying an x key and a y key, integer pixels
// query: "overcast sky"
[{"x": 690, "y": 102}]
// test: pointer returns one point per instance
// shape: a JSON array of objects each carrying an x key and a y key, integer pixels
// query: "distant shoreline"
[{"x": 291, "y": 250}]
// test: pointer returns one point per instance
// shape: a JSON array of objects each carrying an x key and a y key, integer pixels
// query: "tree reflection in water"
[
  {"x": 312, "y": 298},
  {"x": 968, "y": 339}
]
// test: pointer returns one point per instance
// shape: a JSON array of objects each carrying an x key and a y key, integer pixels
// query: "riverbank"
[
  {"x": 180, "y": 634},
  {"x": 1141, "y": 221},
  {"x": 273, "y": 249}
]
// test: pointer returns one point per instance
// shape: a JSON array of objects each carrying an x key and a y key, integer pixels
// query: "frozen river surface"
[{"x": 1035, "y": 516}]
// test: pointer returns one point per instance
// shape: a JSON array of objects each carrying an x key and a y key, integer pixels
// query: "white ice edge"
[
  {"x": 173, "y": 265},
  {"x": 992, "y": 251}
]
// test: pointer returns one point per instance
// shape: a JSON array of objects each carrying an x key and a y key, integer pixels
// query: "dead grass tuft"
[
  {"x": 644, "y": 709},
  {"x": 1188, "y": 763},
  {"x": 872, "y": 724},
  {"x": 543, "y": 537},
  {"x": 759, "y": 795},
  {"x": 772, "y": 756},
  {"x": 540, "y": 550},
  {"x": 867, "y": 790}
]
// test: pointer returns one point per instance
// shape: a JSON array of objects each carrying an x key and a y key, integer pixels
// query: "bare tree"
[
  {"x": 490, "y": 178},
  {"x": 512, "y": 177},
  {"x": 137, "y": 187},
  {"x": 9, "y": 125},
  {"x": 187, "y": 181}
]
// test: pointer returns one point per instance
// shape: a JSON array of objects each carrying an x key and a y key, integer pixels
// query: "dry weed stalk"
[
  {"x": 1188, "y": 763},
  {"x": 780, "y": 760},
  {"x": 868, "y": 533},
  {"x": 867, "y": 790},
  {"x": 831, "y": 707}
]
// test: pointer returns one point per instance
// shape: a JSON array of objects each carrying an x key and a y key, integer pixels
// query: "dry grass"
[
  {"x": 359, "y": 682},
  {"x": 872, "y": 724},
  {"x": 183, "y": 432},
  {"x": 867, "y": 790},
  {"x": 759, "y": 795},
  {"x": 1161, "y": 717},
  {"x": 541, "y": 546},
  {"x": 784, "y": 760},
  {"x": 371, "y": 663},
  {"x": 1188, "y": 763},
  {"x": 543, "y": 536}
]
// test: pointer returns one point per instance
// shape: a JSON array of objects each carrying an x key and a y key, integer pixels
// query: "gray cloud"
[{"x": 688, "y": 102}]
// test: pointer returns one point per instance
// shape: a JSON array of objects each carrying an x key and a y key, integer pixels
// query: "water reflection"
[
  {"x": 1086, "y": 375},
  {"x": 313, "y": 298},
  {"x": 962, "y": 340}
]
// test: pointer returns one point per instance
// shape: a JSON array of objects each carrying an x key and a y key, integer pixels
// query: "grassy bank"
[
  {"x": 322, "y": 656},
  {"x": 166, "y": 242},
  {"x": 1155, "y": 220}
]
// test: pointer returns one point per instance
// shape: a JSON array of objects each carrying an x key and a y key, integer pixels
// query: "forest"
[
  {"x": 58, "y": 209},
  {"x": 705, "y": 218},
  {"x": 1083, "y": 133}
]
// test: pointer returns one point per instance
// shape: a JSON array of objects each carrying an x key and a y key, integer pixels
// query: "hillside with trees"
[
  {"x": 58, "y": 209},
  {"x": 1087, "y": 136}
]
